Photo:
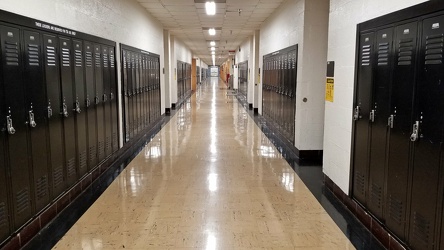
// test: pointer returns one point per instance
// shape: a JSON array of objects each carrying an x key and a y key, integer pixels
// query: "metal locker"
[
  {"x": 137, "y": 91},
  {"x": 427, "y": 137},
  {"x": 15, "y": 114},
  {"x": 133, "y": 94},
  {"x": 67, "y": 107},
  {"x": 361, "y": 116},
  {"x": 100, "y": 109},
  {"x": 55, "y": 123},
  {"x": 379, "y": 113},
  {"x": 125, "y": 93},
  {"x": 106, "y": 101},
  {"x": 130, "y": 94},
  {"x": 36, "y": 108},
  {"x": 90, "y": 104},
  {"x": 399, "y": 121},
  {"x": 113, "y": 100},
  {"x": 159, "y": 99},
  {"x": 146, "y": 119},
  {"x": 80, "y": 108}
]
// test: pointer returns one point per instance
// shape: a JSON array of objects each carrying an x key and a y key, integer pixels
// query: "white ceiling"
[{"x": 188, "y": 21}]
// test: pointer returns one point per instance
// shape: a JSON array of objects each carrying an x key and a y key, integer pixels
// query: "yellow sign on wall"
[{"x": 330, "y": 89}]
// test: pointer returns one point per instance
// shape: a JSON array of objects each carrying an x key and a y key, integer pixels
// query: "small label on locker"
[
  {"x": 10, "y": 34},
  {"x": 77, "y": 45},
  {"x": 49, "y": 41},
  {"x": 435, "y": 26},
  {"x": 64, "y": 43},
  {"x": 367, "y": 39},
  {"x": 384, "y": 35},
  {"x": 406, "y": 31},
  {"x": 32, "y": 38}
]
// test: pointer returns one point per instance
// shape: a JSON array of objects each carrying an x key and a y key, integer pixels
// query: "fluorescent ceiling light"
[
  {"x": 211, "y": 8},
  {"x": 213, "y": 48},
  {"x": 213, "y": 43},
  {"x": 212, "y": 32},
  {"x": 213, "y": 52}
]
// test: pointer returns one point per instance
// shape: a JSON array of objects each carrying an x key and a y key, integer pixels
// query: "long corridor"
[{"x": 210, "y": 179}]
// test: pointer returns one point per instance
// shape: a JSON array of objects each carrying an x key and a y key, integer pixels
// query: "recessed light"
[
  {"x": 213, "y": 48},
  {"x": 211, "y": 8},
  {"x": 213, "y": 52},
  {"x": 212, "y": 32},
  {"x": 213, "y": 43}
]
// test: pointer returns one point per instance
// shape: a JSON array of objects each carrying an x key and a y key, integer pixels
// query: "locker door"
[
  {"x": 361, "y": 117},
  {"x": 36, "y": 108},
  {"x": 100, "y": 109},
  {"x": 137, "y": 91},
  {"x": 66, "y": 73},
  {"x": 80, "y": 108},
  {"x": 429, "y": 120},
  {"x": 379, "y": 113},
  {"x": 126, "y": 94},
  {"x": 130, "y": 94},
  {"x": 144, "y": 81},
  {"x": 55, "y": 125},
  {"x": 113, "y": 99},
  {"x": 158, "y": 88},
  {"x": 400, "y": 127},
  {"x": 16, "y": 127},
  {"x": 91, "y": 115},
  {"x": 133, "y": 94},
  {"x": 106, "y": 101}
]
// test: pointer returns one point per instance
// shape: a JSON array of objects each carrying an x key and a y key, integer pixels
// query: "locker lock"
[
  {"x": 372, "y": 115},
  {"x": 97, "y": 99},
  {"x": 88, "y": 102},
  {"x": 49, "y": 112},
  {"x": 105, "y": 97},
  {"x": 414, "y": 136},
  {"x": 111, "y": 96},
  {"x": 32, "y": 120},
  {"x": 65, "y": 110},
  {"x": 10, "y": 128},
  {"x": 77, "y": 109},
  {"x": 356, "y": 113}
]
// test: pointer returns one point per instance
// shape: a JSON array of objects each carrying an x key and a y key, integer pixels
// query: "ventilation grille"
[
  {"x": 33, "y": 55},
  {"x": 383, "y": 53},
  {"x": 22, "y": 200},
  {"x": 42, "y": 187},
  {"x": 58, "y": 177},
  {"x": 396, "y": 209},
  {"x": 12, "y": 54},
  {"x": 101, "y": 149},
  {"x": 50, "y": 56},
  {"x": 65, "y": 58},
  {"x": 115, "y": 139},
  {"x": 3, "y": 216},
  {"x": 78, "y": 58},
  {"x": 105, "y": 60},
  {"x": 360, "y": 182},
  {"x": 111, "y": 60},
  {"x": 108, "y": 144},
  {"x": 71, "y": 167},
  {"x": 376, "y": 195},
  {"x": 434, "y": 49},
  {"x": 365, "y": 55},
  {"x": 421, "y": 228},
  {"x": 82, "y": 160},
  {"x": 97, "y": 59},
  {"x": 89, "y": 59},
  {"x": 405, "y": 52},
  {"x": 92, "y": 154}
]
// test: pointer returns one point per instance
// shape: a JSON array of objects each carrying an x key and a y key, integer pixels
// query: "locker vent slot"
[
  {"x": 33, "y": 55},
  {"x": 22, "y": 200},
  {"x": 97, "y": 60},
  {"x": 405, "y": 52},
  {"x": 383, "y": 54},
  {"x": 42, "y": 187},
  {"x": 89, "y": 59},
  {"x": 50, "y": 56},
  {"x": 58, "y": 177},
  {"x": 360, "y": 182},
  {"x": 78, "y": 58},
  {"x": 396, "y": 209},
  {"x": 421, "y": 228},
  {"x": 65, "y": 58},
  {"x": 108, "y": 143},
  {"x": 82, "y": 160},
  {"x": 115, "y": 138},
  {"x": 376, "y": 195},
  {"x": 92, "y": 154},
  {"x": 101, "y": 147},
  {"x": 12, "y": 54},
  {"x": 434, "y": 49},
  {"x": 111, "y": 60},
  {"x": 105, "y": 60},
  {"x": 71, "y": 167},
  {"x": 3, "y": 215}
]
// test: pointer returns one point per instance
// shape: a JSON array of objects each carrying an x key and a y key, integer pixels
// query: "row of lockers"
[
  {"x": 183, "y": 79},
  {"x": 58, "y": 116},
  {"x": 141, "y": 90},
  {"x": 398, "y": 130},
  {"x": 243, "y": 78},
  {"x": 279, "y": 90}
]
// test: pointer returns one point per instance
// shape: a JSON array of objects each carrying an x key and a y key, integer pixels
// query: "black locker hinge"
[{"x": 10, "y": 128}]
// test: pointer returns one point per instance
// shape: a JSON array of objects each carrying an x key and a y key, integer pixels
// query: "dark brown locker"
[
  {"x": 80, "y": 108},
  {"x": 67, "y": 86},
  {"x": 100, "y": 109},
  {"x": 16, "y": 127},
  {"x": 138, "y": 120},
  {"x": 379, "y": 113},
  {"x": 106, "y": 101},
  {"x": 131, "y": 83},
  {"x": 427, "y": 137},
  {"x": 362, "y": 117},
  {"x": 399, "y": 122},
  {"x": 158, "y": 88},
  {"x": 113, "y": 100},
  {"x": 91, "y": 115},
  {"x": 55, "y": 125},
  {"x": 37, "y": 113},
  {"x": 126, "y": 94}
]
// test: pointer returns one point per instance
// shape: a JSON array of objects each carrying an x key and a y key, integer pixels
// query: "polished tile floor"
[{"x": 210, "y": 179}]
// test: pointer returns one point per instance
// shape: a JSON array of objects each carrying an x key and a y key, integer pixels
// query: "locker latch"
[
  {"x": 372, "y": 115},
  {"x": 65, "y": 110},
  {"x": 356, "y": 113},
  {"x": 97, "y": 99},
  {"x": 77, "y": 109},
  {"x": 105, "y": 97},
  {"x": 88, "y": 102},
  {"x": 390, "y": 121},
  {"x": 111, "y": 96},
  {"x": 32, "y": 120},
  {"x": 414, "y": 136},
  {"x": 49, "y": 111},
  {"x": 10, "y": 128}
]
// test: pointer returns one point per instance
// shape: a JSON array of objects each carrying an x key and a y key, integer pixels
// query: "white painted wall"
[
  {"x": 302, "y": 22},
  {"x": 120, "y": 21},
  {"x": 344, "y": 16}
]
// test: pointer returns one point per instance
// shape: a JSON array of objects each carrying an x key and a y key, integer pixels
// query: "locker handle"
[
  {"x": 356, "y": 113},
  {"x": 372, "y": 115},
  {"x": 49, "y": 112},
  {"x": 65, "y": 110},
  {"x": 414, "y": 136},
  {"x": 32, "y": 120},
  {"x": 88, "y": 102},
  {"x": 390, "y": 121},
  {"x": 97, "y": 99},
  {"x": 10, "y": 128},
  {"x": 77, "y": 109},
  {"x": 111, "y": 96},
  {"x": 105, "y": 97}
]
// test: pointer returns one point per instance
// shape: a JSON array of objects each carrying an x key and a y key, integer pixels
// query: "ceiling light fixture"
[
  {"x": 213, "y": 52},
  {"x": 212, "y": 32},
  {"x": 211, "y": 8},
  {"x": 213, "y": 43},
  {"x": 213, "y": 48}
]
